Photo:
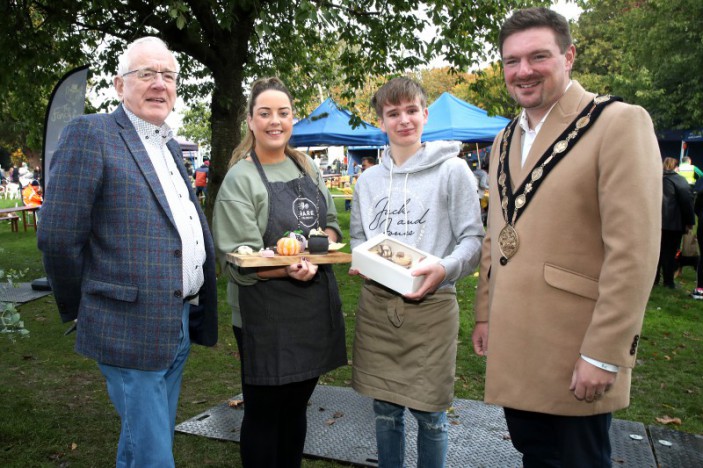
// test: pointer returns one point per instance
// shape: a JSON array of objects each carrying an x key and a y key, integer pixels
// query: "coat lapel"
[{"x": 141, "y": 158}]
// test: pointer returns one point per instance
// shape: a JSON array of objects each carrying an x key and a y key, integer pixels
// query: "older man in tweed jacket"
[{"x": 128, "y": 251}]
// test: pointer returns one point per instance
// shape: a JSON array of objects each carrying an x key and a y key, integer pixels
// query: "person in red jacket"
[{"x": 201, "y": 175}]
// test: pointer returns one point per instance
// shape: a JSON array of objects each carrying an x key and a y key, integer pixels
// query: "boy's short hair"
[{"x": 397, "y": 91}]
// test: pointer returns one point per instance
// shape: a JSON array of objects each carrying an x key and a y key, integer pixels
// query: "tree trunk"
[
  {"x": 227, "y": 57},
  {"x": 227, "y": 108}
]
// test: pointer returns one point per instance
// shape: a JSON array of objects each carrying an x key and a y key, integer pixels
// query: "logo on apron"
[{"x": 305, "y": 211}]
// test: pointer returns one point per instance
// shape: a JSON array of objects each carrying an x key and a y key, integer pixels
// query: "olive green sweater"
[{"x": 241, "y": 213}]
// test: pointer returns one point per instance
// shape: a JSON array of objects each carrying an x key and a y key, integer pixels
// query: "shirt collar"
[
  {"x": 149, "y": 132},
  {"x": 523, "y": 122}
]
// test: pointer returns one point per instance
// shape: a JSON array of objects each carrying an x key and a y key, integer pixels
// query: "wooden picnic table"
[
  {"x": 338, "y": 180},
  {"x": 24, "y": 210}
]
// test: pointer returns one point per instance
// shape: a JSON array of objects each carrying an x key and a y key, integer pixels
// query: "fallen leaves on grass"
[{"x": 669, "y": 420}]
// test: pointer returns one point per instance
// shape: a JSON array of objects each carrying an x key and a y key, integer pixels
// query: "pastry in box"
[{"x": 391, "y": 262}]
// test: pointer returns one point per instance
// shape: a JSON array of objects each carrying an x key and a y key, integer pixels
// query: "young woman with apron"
[{"x": 292, "y": 328}]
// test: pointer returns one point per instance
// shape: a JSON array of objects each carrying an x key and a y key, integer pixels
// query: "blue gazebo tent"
[
  {"x": 453, "y": 119},
  {"x": 190, "y": 151},
  {"x": 679, "y": 143},
  {"x": 355, "y": 153},
  {"x": 186, "y": 145},
  {"x": 329, "y": 125}
]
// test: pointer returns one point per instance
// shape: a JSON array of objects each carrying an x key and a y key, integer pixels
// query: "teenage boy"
[{"x": 405, "y": 346}]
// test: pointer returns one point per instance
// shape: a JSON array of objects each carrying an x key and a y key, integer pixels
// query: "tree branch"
[{"x": 354, "y": 12}]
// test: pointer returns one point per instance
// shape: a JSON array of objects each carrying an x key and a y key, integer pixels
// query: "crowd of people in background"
[
  {"x": 23, "y": 184},
  {"x": 677, "y": 219},
  {"x": 21, "y": 175},
  {"x": 681, "y": 240}
]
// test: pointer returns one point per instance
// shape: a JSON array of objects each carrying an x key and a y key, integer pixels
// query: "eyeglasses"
[{"x": 147, "y": 74}]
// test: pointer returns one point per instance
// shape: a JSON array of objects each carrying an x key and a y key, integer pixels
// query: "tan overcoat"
[{"x": 580, "y": 280}]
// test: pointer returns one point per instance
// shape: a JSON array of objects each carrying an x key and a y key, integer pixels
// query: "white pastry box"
[{"x": 381, "y": 259}]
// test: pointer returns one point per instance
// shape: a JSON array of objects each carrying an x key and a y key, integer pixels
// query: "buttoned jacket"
[
  {"x": 581, "y": 277},
  {"x": 111, "y": 249}
]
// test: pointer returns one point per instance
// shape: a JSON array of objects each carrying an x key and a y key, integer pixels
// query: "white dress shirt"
[
  {"x": 529, "y": 134},
  {"x": 182, "y": 208}
]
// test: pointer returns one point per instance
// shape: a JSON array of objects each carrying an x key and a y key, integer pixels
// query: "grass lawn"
[{"x": 54, "y": 410}]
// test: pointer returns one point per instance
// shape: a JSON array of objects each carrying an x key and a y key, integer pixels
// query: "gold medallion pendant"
[{"x": 508, "y": 241}]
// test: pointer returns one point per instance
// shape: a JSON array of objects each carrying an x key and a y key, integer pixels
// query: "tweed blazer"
[
  {"x": 580, "y": 280},
  {"x": 111, "y": 249}
]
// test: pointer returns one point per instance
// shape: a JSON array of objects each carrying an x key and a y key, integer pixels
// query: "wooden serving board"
[{"x": 257, "y": 260}]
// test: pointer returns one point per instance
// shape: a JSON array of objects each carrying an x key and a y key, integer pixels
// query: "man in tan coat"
[{"x": 570, "y": 253}]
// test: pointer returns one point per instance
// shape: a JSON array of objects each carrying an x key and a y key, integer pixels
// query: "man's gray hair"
[{"x": 124, "y": 60}]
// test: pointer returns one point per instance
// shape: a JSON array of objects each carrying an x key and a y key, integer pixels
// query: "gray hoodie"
[{"x": 430, "y": 202}]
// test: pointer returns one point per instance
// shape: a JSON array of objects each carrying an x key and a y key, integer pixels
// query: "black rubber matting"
[
  {"x": 341, "y": 428},
  {"x": 19, "y": 293},
  {"x": 676, "y": 449}
]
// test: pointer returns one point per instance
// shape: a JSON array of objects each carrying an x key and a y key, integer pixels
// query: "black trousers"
[
  {"x": 670, "y": 244},
  {"x": 275, "y": 421},
  {"x": 550, "y": 441}
]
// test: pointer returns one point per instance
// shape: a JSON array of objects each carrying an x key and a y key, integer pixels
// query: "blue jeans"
[
  {"x": 432, "y": 436},
  {"x": 146, "y": 402}
]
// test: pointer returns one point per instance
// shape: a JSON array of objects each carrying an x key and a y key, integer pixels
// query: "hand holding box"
[{"x": 391, "y": 262}]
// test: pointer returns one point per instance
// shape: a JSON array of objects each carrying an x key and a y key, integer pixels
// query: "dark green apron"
[{"x": 292, "y": 330}]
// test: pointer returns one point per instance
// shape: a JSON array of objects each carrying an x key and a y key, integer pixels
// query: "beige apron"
[{"x": 405, "y": 351}]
